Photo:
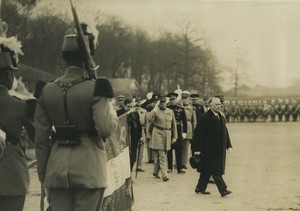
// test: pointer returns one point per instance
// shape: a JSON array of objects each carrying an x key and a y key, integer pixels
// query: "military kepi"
[{"x": 103, "y": 88}]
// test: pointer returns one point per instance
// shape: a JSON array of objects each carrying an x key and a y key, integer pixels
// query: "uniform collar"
[{"x": 215, "y": 113}]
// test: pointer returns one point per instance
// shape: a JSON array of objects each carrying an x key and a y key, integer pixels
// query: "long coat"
[
  {"x": 14, "y": 177},
  {"x": 211, "y": 138},
  {"x": 161, "y": 139},
  {"x": 190, "y": 112},
  {"x": 82, "y": 166}
]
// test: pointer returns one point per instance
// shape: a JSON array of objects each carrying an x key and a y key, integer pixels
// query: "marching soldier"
[
  {"x": 164, "y": 133},
  {"x": 14, "y": 174},
  {"x": 181, "y": 124},
  {"x": 73, "y": 165}
]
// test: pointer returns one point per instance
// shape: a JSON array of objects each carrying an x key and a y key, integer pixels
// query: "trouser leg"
[
  {"x": 76, "y": 199},
  {"x": 12, "y": 203},
  {"x": 156, "y": 162},
  {"x": 220, "y": 182},
  {"x": 178, "y": 157},
  {"x": 170, "y": 159},
  {"x": 163, "y": 162},
  {"x": 142, "y": 147},
  {"x": 150, "y": 154},
  {"x": 133, "y": 155},
  {"x": 185, "y": 150},
  {"x": 203, "y": 181},
  {"x": 61, "y": 199},
  {"x": 88, "y": 199}
]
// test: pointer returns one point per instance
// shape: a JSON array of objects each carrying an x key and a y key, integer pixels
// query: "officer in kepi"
[
  {"x": 181, "y": 124},
  {"x": 72, "y": 165},
  {"x": 14, "y": 176}
]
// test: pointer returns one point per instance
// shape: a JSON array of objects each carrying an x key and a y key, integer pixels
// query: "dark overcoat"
[{"x": 211, "y": 139}]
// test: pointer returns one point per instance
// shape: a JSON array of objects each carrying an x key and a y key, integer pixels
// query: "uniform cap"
[
  {"x": 70, "y": 43},
  {"x": 194, "y": 96},
  {"x": 127, "y": 101},
  {"x": 185, "y": 94},
  {"x": 172, "y": 95},
  {"x": 121, "y": 97}
]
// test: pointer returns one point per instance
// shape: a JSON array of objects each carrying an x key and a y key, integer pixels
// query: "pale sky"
[{"x": 265, "y": 35}]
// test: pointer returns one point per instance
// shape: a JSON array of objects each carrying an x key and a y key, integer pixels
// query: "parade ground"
[{"x": 262, "y": 171}]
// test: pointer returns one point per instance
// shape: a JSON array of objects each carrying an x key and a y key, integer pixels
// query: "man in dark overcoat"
[{"x": 211, "y": 139}]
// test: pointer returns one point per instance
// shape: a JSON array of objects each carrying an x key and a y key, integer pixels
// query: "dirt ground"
[{"x": 262, "y": 171}]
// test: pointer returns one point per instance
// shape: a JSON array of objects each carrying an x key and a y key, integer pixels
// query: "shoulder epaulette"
[
  {"x": 103, "y": 88},
  {"x": 39, "y": 88}
]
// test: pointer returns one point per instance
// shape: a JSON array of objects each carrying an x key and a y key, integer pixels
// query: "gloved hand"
[
  {"x": 183, "y": 135},
  {"x": 173, "y": 140},
  {"x": 156, "y": 106},
  {"x": 197, "y": 153},
  {"x": 229, "y": 150}
]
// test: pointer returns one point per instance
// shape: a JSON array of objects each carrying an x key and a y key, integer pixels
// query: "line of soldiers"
[
  {"x": 165, "y": 124},
  {"x": 262, "y": 110}
]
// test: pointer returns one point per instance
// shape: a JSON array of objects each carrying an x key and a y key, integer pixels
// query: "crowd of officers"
[
  {"x": 273, "y": 110},
  {"x": 145, "y": 124},
  {"x": 165, "y": 124}
]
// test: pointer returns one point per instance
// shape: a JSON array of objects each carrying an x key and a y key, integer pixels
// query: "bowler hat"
[{"x": 195, "y": 161}]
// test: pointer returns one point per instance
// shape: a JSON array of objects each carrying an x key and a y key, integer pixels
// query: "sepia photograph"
[{"x": 149, "y": 105}]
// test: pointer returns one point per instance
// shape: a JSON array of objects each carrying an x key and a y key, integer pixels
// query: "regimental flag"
[{"x": 118, "y": 195}]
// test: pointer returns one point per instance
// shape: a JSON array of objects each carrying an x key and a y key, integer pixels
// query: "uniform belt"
[
  {"x": 161, "y": 128},
  {"x": 178, "y": 123}
]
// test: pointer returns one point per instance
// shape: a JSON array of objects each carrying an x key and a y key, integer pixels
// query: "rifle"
[{"x": 89, "y": 62}]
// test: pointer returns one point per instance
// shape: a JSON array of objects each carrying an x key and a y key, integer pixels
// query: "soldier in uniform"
[
  {"x": 73, "y": 165},
  {"x": 120, "y": 102},
  {"x": 191, "y": 119},
  {"x": 164, "y": 133},
  {"x": 273, "y": 110},
  {"x": 198, "y": 108},
  {"x": 294, "y": 111},
  {"x": 142, "y": 118},
  {"x": 14, "y": 176},
  {"x": 181, "y": 123},
  {"x": 279, "y": 110}
]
